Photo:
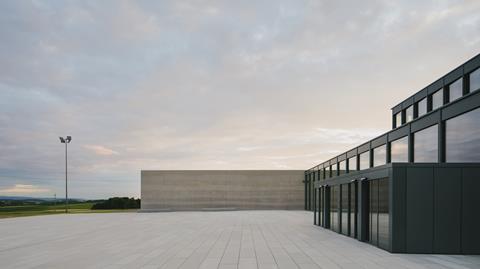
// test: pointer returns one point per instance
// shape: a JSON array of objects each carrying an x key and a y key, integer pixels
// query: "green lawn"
[{"x": 34, "y": 210}]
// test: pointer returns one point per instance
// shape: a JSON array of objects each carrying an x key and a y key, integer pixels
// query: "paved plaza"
[{"x": 231, "y": 239}]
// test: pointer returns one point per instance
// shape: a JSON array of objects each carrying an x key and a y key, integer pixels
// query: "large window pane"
[
  {"x": 342, "y": 167},
  {"x": 352, "y": 164},
  {"x": 398, "y": 119},
  {"x": 334, "y": 196},
  {"x": 437, "y": 99},
  {"x": 353, "y": 209},
  {"x": 409, "y": 114},
  {"x": 422, "y": 107},
  {"x": 475, "y": 80},
  {"x": 383, "y": 214},
  {"x": 399, "y": 150},
  {"x": 365, "y": 160},
  {"x": 373, "y": 212},
  {"x": 456, "y": 89},
  {"x": 463, "y": 137},
  {"x": 344, "y": 206},
  {"x": 380, "y": 155},
  {"x": 425, "y": 147},
  {"x": 334, "y": 170},
  {"x": 326, "y": 172}
]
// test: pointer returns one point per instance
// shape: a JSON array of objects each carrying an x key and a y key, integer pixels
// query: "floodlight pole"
[
  {"x": 66, "y": 141},
  {"x": 66, "y": 179}
]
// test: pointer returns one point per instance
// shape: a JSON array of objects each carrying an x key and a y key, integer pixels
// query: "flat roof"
[{"x": 448, "y": 78}]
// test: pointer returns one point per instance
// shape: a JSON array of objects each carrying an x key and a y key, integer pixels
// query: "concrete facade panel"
[{"x": 222, "y": 189}]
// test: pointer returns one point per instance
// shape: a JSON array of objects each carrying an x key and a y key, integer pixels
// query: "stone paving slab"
[{"x": 230, "y": 239}]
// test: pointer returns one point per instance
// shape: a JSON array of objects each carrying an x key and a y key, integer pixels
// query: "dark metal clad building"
[{"x": 416, "y": 188}]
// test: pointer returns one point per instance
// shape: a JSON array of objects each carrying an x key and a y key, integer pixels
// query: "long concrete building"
[{"x": 222, "y": 190}]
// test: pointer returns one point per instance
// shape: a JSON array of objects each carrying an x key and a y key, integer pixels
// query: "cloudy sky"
[{"x": 208, "y": 84}]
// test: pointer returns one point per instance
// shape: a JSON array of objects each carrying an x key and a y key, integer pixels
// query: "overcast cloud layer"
[{"x": 208, "y": 84}]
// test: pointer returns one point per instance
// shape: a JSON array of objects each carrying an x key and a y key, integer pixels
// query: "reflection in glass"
[
  {"x": 334, "y": 170},
  {"x": 398, "y": 119},
  {"x": 463, "y": 137},
  {"x": 425, "y": 147},
  {"x": 475, "y": 80},
  {"x": 437, "y": 99},
  {"x": 334, "y": 196},
  {"x": 320, "y": 206},
  {"x": 344, "y": 207},
  {"x": 409, "y": 114},
  {"x": 383, "y": 214},
  {"x": 365, "y": 160},
  {"x": 352, "y": 164},
  {"x": 456, "y": 90},
  {"x": 380, "y": 155},
  {"x": 373, "y": 212},
  {"x": 342, "y": 167},
  {"x": 326, "y": 172},
  {"x": 399, "y": 150},
  {"x": 353, "y": 209},
  {"x": 422, "y": 107}
]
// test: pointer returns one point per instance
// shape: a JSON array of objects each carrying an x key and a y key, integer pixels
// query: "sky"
[{"x": 208, "y": 84}]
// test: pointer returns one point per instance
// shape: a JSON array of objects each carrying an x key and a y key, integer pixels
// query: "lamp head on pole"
[{"x": 65, "y": 140}]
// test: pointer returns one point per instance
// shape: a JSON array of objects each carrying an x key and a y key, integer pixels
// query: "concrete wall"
[{"x": 222, "y": 189}]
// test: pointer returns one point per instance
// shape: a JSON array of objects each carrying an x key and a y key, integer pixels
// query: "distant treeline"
[{"x": 118, "y": 203}]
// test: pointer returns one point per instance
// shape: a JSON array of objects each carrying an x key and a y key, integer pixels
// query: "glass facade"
[
  {"x": 398, "y": 119},
  {"x": 475, "y": 80},
  {"x": 456, "y": 90},
  {"x": 334, "y": 170},
  {"x": 463, "y": 137},
  {"x": 425, "y": 143},
  {"x": 365, "y": 160},
  {"x": 334, "y": 196},
  {"x": 353, "y": 209},
  {"x": 342, "y": 167},
  {"x": 409, "y": 114},
  {"x": 383, "y": 214},
  {"x": 437, "y": 99},
  {"x": 379, "y": 215},
  {"x": 352, "y": 164},
  {"x": 380, "y": 155},
  {"x": 326, "y": 172},
  {"x": 399, "y": 150},
  {"x": 373, "y": 212},
  {"x": 344, "y": 209},
  {"x": 422, "y": 107}
]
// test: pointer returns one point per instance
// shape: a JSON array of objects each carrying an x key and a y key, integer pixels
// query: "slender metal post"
[{"x": 66, "y": 180}]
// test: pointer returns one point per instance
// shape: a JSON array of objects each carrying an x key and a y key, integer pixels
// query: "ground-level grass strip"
[{"x": 34, "y": 210}]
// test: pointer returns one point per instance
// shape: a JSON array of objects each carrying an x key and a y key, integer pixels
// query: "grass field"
[{"x": 34, "y": 210}]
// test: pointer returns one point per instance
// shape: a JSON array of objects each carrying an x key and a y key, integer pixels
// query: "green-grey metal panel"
[
  {"x": 472, "y": 64},
  {"x": 453, "y": 75},
  {"x": 352, "y": 153},
  {"x": 425, "y": 121},
  {"x": 408, "y": 102},
  {"x": 420, "y": 95},
  {"x": 379, "y": 141},
  {"x": 397, "y": 133},
  {"x": 470, "y": 211},
  {"x": 447, "y": 192},
  {"x": 462, "y": 106},
  {"x": 398, "y": 209},
  {"x": 419, "y": 217},
  {"x": 435, "y": 86},
  {"x": 364, "y": 147}
]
